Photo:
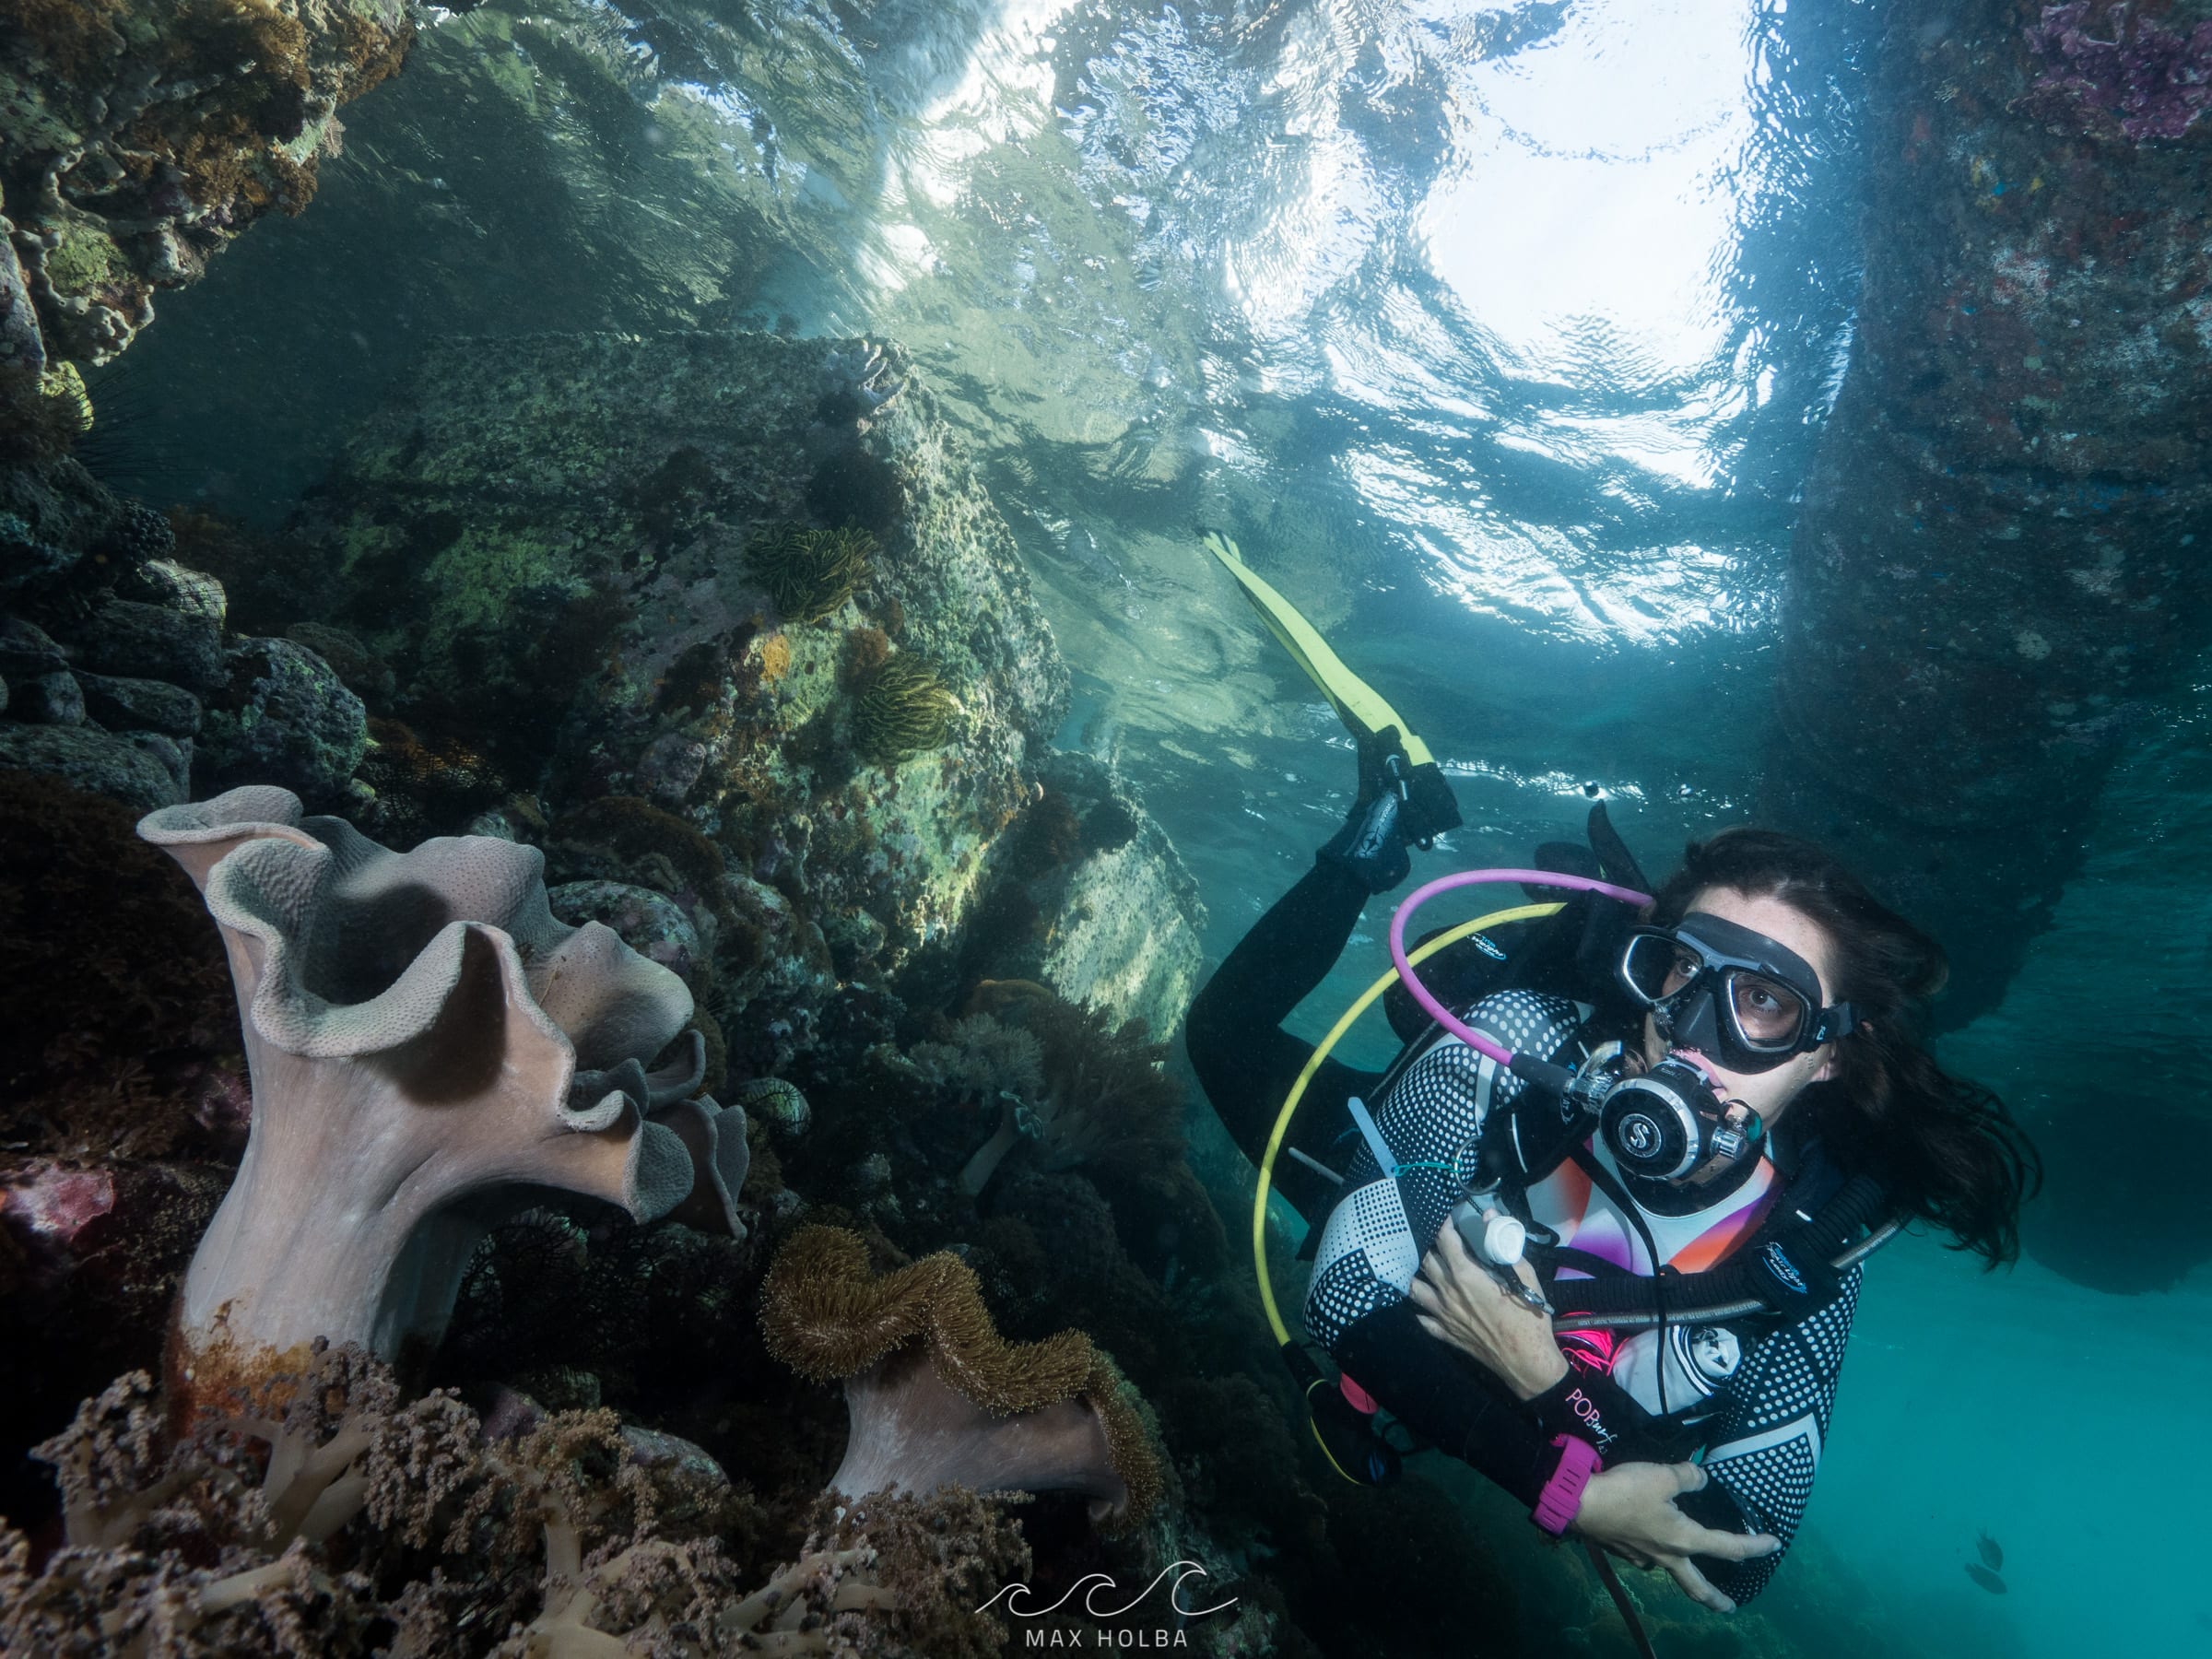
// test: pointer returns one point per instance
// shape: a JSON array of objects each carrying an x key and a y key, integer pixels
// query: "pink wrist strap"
[{"x": 1562, "y": 1494}]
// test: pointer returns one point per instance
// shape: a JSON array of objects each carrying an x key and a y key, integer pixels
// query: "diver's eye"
[
  {"x": 1679, "y": 973},
  {"x": 1767, "y": 1012}
]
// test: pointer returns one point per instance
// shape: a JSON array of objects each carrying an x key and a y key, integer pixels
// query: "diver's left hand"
[{"x": 1463, "y": 1305}]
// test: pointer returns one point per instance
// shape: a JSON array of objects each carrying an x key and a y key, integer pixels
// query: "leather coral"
[
  {"x": 937, "y": 1397},
  {"x": 431, "y": 1051}
]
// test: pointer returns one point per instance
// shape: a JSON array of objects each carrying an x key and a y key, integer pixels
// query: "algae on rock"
[
  {"x": 567, "y": 545},
  {"x": 142, "y": 135}
]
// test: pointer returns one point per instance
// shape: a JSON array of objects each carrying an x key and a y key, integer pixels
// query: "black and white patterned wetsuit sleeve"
[
  {"x": 1374, "y": 1239},
  {"x": 1765, "y": 1446}
]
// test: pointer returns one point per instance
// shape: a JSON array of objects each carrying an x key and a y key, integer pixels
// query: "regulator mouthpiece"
[{"x": 1670, "y": 1121}]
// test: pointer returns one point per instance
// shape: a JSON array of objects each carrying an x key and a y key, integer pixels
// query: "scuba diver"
[{"x": 1596, "y": 1229}]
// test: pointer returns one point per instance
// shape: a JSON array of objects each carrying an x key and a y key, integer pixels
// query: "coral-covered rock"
[
  {"x": 143, "y": 134},
  {"x": 131, "y": 637},
  {"x": 100, "y": 761},
  {"x": 140, "y": 705},
  {"x": 631, "y": 611},
  {"x": 651, "y": 923},
  {"x": 281, "y": 717},
  {"x": 121, "y": 1223},
  {"x": 816, "y": 643}
]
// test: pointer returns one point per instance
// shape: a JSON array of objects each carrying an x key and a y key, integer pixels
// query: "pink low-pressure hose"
[{"x": 1421, "y": 895}]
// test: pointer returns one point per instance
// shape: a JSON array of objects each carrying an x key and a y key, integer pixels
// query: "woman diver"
[{"x": 1706, "y": 1104}]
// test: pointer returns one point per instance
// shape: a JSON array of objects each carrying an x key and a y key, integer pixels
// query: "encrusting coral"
[
  {"x": 809, "y": 573},
  {"x": 901, "y": 710},
  {"x": 430, "y": 1050},
  {"x": 937, "y": 1398}
]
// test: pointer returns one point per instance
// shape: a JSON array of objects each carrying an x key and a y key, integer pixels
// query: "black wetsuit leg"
[
  {"x": 1246, "y": 1062},
  {"x": 1447, "y": 1399}
]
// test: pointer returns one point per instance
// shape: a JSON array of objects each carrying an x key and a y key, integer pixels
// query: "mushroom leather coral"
[
  {"x": 429, "y": 1051},
  {"x": 937, "y": 1398}
]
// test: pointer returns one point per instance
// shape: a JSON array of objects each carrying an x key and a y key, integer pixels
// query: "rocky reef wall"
[
  {"x": 743, "y": 599},
  {"x": 1998, "y": 583},
  {"x": 137, "y": 139},
  {"x": 1999, "y": 572}
]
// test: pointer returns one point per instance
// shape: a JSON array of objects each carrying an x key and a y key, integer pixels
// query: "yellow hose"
[{"x": 1524, "y": 912}]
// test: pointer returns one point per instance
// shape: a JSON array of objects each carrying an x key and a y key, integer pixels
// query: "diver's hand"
[
  {"x": 1629, "y": 1509},
  {"x": 1463, "y": 1304}
]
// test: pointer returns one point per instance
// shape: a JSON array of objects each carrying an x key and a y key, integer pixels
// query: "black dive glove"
[{"x": 1398, "y": 803}]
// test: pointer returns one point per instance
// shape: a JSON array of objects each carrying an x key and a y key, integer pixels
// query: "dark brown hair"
[{"x": 1945, "y": 1150}]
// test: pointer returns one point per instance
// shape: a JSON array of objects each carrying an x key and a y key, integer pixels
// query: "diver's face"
[{"x": 1768, "y": 1093}]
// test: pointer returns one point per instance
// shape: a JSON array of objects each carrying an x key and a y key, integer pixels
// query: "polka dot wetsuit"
[{"x": 1754, "y": 1400}]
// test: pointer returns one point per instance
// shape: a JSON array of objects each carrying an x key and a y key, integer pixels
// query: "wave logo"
[
  {"x": 1092, "y": 1586},
  {"x": 1783, "y": 1269}
]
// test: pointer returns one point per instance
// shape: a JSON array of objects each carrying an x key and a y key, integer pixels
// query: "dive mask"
[{"x": 1734, "y": 995}]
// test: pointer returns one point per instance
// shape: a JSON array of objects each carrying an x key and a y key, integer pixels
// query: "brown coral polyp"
[{"x": 937, "y": 1395}]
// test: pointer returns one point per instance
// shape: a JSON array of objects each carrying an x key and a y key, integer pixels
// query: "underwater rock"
[
  {"x": 130, "y": 638},
  {"x": 26, "y": 652},
  {"x": 189, "y": 592},
  {"x": 1109, "y": 914},
  {"x": 50, "y": 699},
  {"x": 140, "y": 705},
  {"x": 99, "y": 761},
  {"x": 172, "y": 753},
  {"x": 670, "y": 767},
  {"x": 365, "y": 676},
  {"x": 142, "y": 135},
  {"x": 1998, "y": 575},
  {"x": 23, "y": 352},
  {"x": 938, "y": 1398},
  {"x": 651, "y": 923},
  {"x": 63, "y": 535},
  {"x": 422, "y": 1035},
  {"x": 1998, "y": 583},
  {"x": 283, "y": 717},
  {"x": 592, "y": 638}
]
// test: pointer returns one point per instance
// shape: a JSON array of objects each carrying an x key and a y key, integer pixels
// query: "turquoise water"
[{"x": 1502, "y": 337}]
